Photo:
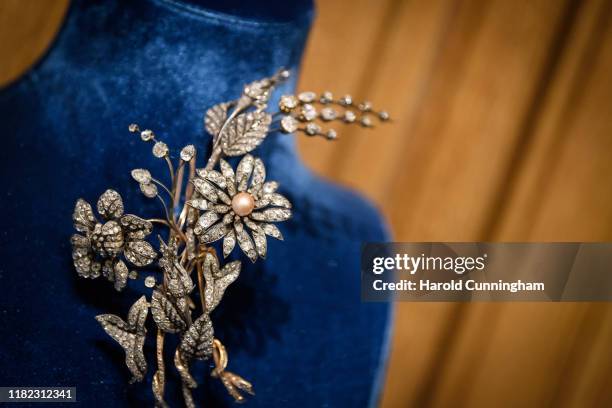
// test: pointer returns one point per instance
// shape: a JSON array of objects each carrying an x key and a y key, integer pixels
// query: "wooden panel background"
[{"x": 502, "y": 132}]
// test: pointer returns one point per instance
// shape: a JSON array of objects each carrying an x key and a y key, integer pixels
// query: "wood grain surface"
[{"x": 502, "y": 132}]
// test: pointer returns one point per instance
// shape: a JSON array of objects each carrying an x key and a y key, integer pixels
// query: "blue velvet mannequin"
[{"x": 294, "y": 324}]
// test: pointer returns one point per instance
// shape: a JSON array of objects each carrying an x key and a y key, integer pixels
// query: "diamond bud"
[
  {"x": 383, "y": 115},
  {"x": 133, "y": 128},
  {"x": 308, "y": 113},
  {"x": 346, "y": 100},
  {"x": 349, "y": 116},
  {"x": 149, "y": 190},
  {"x": 160, "y": 149},
  {"x": 142, "y": 176},
  {"x": 287, "y": 103},
  {"x": 188, "y": 152},
  {"x": 312, "y": 129},
  {"x": 366, "y": 121},
  {"x": 289, "y": 124},
  {"x": 328, "y": 114},
  {"x": 147, "y": 135},
  {"x": 326, "y": 97},
  {"x": 307, "y": 97},
  {"x": 149, "y": 281},
  {"x": 258, "y": 90},
  {"x": 365, "y": 106},
  {"x": 331, "y": 134}
]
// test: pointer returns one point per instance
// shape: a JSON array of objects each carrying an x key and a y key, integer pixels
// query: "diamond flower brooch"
[{"x": 200, "y": 206}]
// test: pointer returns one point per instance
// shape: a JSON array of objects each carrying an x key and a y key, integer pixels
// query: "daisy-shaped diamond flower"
[
  {"x": 98, "y": 249},
  {"x": 239, "y": 207}
]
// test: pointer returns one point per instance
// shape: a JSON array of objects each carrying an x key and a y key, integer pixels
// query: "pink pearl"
[{"x": 243, "y": 204}]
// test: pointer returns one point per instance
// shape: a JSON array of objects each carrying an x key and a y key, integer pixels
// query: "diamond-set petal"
[
  {"x": 259, "y": 176},
  {"x": 229, "y": 242},
  {"x": 135, "y": 228},
  {"x": 270, "y": 187},
  {"x": 262, "y": 202},
  {"x": 245, "y": 242},
  {"x": 272, "y": 230},
  {"x": 205, "y": 189},
  {"x": 261, "y": 244},
  {"x": 213, "y": 176},
  {"x": 278, "y": 200},
  {"x": 214, "y": 233},
  {"x": 83, "y": 261},
  {"x": 83, "y": 216},
  {"x": 221, "y": 208},
  {"x": 140, "y": 253},
  {"x": 243, "y": 172},
  {"x": 110, "y": 205},
  {"x": 230, "y": 177},
  {"x": 224, "y": 197},
  {"x": 205, "y": 221},
  {"x": 272, "y": 214},
  {"x": 198, "y": 204}
]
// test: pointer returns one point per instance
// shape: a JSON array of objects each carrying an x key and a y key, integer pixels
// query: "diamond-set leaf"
[
  {"x": 245, "y": 132},
  {"x": 121, "y": 273},
  {"x": 214, "y": 119},
  {"x": 198, "y": 339},
  {"x": 130, "y": 335},
  {"x": 179, "y": 282},
  {"x": 138, "y": 314},
  {"x": 166, "y": 314},
  {"x": 217, "y": 280}
]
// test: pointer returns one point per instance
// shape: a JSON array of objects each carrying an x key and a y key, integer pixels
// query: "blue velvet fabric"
[{"x": 293, "y": 324}]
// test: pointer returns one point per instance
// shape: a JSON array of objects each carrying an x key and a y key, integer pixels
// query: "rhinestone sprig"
[{"x": 307, "y": 111}]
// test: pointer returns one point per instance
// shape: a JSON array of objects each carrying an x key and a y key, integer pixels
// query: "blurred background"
[{"x": 502, "y": 132}]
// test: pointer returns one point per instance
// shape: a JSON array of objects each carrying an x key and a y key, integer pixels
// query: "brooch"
[{"x": 200, "y": 206}]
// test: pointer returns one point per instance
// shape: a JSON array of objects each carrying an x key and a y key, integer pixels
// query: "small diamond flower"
[
  {"x": 235, "y": 203},
  {"x": 98, "y": 249}
]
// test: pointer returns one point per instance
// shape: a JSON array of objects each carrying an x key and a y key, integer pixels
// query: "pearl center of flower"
[{"x": 243, "y": 204}]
